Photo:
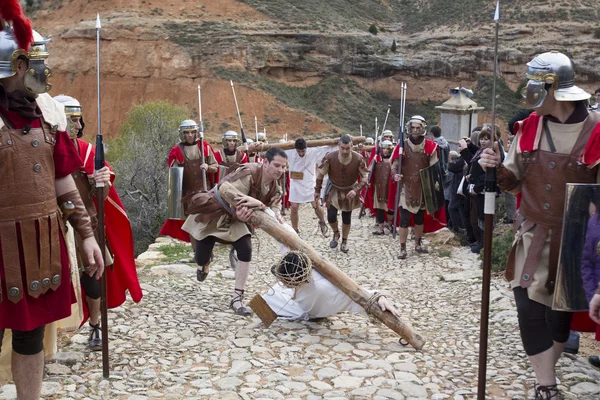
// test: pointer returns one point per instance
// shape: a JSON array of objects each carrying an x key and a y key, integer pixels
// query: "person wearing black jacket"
[
  {"x": 456, "y": 201},
  {"x": 475, "y": 183}
]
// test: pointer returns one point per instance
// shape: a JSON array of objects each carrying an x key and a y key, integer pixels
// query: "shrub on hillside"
[
  {"x": 139, "y": 159},
  {"x": 501, "y": 246},
  {"x": 597, "y": 33},
  {"x": 394, "y": 46},
  {"x": 373, "y": 29}
]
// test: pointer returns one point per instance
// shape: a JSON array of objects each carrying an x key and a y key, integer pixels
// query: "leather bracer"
[{"x": 79, "y": 217}]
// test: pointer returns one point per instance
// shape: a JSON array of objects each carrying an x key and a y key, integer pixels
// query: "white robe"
[
  {"x": 318, "y": 298},
  {"x": 302, "y": 190}
]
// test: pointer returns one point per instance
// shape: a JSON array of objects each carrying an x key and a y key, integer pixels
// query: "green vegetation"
[
  {"x": 597, "y": 33},
  {"x": 443, "y": 252},
  {"x": 139, "y": 157},
  {"x": 393, "y": 48},
  {"x": 501, "y": 249},
  {"x": 175, "y": 252},
  {"x": 339, "y": 101},
  {"x": 373, "y": 29}
]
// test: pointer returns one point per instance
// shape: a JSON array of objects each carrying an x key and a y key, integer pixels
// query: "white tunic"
[
  {"x": 317, "y": 298},
  {"x": 302, "y": 190}
]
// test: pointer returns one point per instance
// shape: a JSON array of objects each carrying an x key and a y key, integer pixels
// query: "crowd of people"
[{"x": 51, "y": 187}]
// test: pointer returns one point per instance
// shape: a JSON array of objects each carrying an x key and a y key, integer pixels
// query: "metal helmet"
[
  {"x": 262, "y": 137},
  {"x": 249, "y": 141},
  {"x": 369, "y": 141},
  {"x": 229, "y": 135},
  {"x": 555, "y": 69},
  {"x": 72, "y": 109},
  {"x": 387, "y": 144},
  {"x": 417, "y": 119},
  {"x": 387, "y": 135},
  {"x": 186, "y": 126},
  {"x": 19, "y": 40}
]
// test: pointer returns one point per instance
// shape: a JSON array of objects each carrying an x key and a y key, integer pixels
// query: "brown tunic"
[
  {"x": 343, "y": 178},
  {"x": 413, "y": 161},
  {"x": 192, "y": 172},
  {"x": 42, "y": 261},
  {"x": 209, "y": 218},
  {"x": 381, "y": 183},
  {"x": 542, "y": 177}
]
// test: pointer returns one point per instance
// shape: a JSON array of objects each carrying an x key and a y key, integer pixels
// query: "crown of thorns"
[{"x": 293, "y": 269}]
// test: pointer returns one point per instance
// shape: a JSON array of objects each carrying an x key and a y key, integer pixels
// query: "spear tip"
[{"x": 98, "y": 26}]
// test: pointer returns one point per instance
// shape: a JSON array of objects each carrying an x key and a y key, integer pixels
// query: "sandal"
[
  {"x": 95, "y": 339},
  {"x": 334, "y": 242},
  {"x": 344, "y": 247},
  {"x": 201, "y": 274},
  {"x": 324, "y": 228},
  {"x": 379, "y": 232},
  {"x": 238, "y": 297},
  {"x": 420, "y": 247},
  {"x": 403, "y": 254},
  {"x": 546, "y": 392}
]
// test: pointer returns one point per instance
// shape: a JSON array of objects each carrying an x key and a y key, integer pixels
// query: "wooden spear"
[{"x": 336, "y": 276}]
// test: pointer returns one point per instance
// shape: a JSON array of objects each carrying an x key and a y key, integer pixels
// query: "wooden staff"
[
  {"x": 99, "y": 164},
  {"x": 260, "y": 147},
  {"x": 360, "y": 296}
]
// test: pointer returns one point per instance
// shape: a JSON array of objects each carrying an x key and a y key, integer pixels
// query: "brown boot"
[
  {"x": 403, "y": 253},
  {"x": 420, "y": 247}
]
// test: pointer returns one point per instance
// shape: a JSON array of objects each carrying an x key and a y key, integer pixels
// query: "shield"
[
  {"x": 579, "y": 251},
  {"x": 174, "y": 193},
  {"x": 433, "y": 189}
]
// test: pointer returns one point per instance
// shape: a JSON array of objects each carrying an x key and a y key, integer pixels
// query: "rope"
[{"x": 371, "y": 301}]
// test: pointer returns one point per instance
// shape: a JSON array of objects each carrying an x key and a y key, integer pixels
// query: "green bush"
[
  {"x": 139, "y": 159},
  {"x": 394, "y": 46},
  {"x": 373, "y": 29},
  {"x": 597, "y": 33},
  {"x": 501, "y": 246}
]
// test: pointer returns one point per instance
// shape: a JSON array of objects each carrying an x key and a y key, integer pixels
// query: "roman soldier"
[
  {"x": 261, "y": 137},
  {"x": 347, "y": 172},
  {"x": 388, "y": 135},
  {"x": 558, "y": 143},
  {"x": 36, "y": 162},
  {"x": 188, "y": 154},
  {"x": 361, "y": 148},
  {"x": 377, "y": 193},
  {"x": 212, "y": 220},
  {"x": 418, "y": 153},
  {"x": 230, "y": 157},
  {"x": 122, "y": 276}
]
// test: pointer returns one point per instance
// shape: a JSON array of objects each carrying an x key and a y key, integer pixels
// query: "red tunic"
[
  {"x": 122, "y": 276},
  {"x": 30, "y": 313}
]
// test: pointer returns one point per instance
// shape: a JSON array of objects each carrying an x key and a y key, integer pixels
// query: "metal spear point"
[{"x": 99, "y": 164}]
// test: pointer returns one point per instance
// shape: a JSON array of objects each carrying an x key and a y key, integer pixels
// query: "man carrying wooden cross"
[{"x": 213, "y": 219}]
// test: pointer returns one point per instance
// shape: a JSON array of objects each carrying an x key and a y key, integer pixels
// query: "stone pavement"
[{"x": 182, "y": 341}]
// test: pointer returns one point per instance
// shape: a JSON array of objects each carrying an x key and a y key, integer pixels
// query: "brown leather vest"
[
  {"x": 543, "y": 187},
  {"x": 29, "y": 216},
  {"x": 343, "y": 177},
  {"x": 86, "y": 191},
  {"x": 412, "y": 164},
  {"x": 208, "y": 208},
  {"x": 381, "y": 180},
  {"x": 192, "y": 177},
  {"x": 231, "y": 165}
]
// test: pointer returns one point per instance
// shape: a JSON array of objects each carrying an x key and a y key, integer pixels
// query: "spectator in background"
[
  {"x": 456, "y": 201},
  {"x": 597, "y": 98},
  {"x": 443, "y": 152}
]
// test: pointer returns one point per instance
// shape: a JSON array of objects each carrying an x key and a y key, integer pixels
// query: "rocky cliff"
[{"x": 302, "y": 67}]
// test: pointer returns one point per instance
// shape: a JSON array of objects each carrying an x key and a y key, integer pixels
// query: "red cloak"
[{"x": 122, "y": 276}]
